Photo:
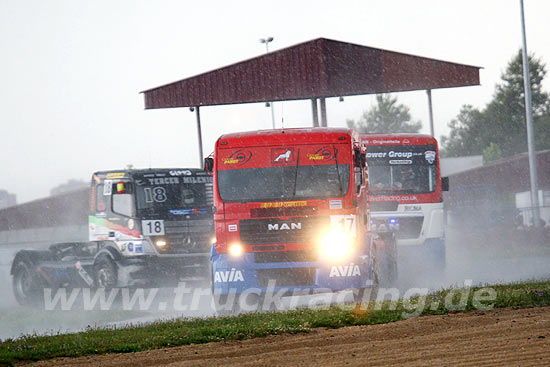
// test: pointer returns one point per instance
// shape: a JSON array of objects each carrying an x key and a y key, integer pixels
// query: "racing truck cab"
[
  {"x": 291, "y": 213},
  {"x": 149, "y": 227},
  {"x": 406, "y": 193}
]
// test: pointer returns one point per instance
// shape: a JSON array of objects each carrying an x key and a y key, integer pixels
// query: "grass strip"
[{"x": 162, "y": 334}]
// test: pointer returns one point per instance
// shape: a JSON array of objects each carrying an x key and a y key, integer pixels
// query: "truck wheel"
[
  {"x": 106, "y": 273},
  {"x": 359, "y": 294},
  {"x": 27, "y": 285}
]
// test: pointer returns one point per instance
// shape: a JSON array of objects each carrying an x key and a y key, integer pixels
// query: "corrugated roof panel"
[{"x": 318, "y": 68}]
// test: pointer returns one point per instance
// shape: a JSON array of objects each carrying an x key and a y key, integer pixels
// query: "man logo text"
[
  {"x": 284, "y": 226},
  {"x": 350, "y": 270}
]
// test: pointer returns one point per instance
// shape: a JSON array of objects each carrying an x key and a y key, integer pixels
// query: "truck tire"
[
  {"x": 106, "y": 275},
  {"x": 359, "y": 294},
  {"x": 27, "y": 285},
  {"x": 386, "y": 258}
]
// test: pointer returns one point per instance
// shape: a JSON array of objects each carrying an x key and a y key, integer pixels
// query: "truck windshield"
[
  {"x": 173, "y": 193},
  {"x": 402, "y": 169},
  {"x": 283, "y": 183}
]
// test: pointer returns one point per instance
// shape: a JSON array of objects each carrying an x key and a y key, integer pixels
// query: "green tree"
[
  {"x": 491, "y": 153},
  {"x": 386, "y": 117},
  {"x": 502, "y": 122}
]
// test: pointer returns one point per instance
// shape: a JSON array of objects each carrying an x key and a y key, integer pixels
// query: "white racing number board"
[
  {"x": 152, "y": 227},
  {"x": 344, "y": 222}
]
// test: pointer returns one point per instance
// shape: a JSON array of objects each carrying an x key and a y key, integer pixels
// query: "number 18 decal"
[{"x": 152, "y": 227}]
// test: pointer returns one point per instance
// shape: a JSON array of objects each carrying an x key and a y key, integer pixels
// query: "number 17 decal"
[{"x": 344, "y": 222}]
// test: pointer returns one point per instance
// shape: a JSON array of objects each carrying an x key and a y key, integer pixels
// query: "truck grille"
[
  {"x": 283, "y": 212},
  {"x": 275, "y": 230},
  {"x": 409, "y": 227},
  {"x": 188, "y": 236},
  {"x": 383, "y": 206},
  {"x": 285, "y": 256},
  {"x": 286, "y": 277}
]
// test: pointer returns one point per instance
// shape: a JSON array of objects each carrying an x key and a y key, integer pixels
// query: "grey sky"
[{"x": 71, "y": 71}]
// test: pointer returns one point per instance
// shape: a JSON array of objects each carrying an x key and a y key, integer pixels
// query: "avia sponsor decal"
[
  {"x": 232, "y": 275},
  {"x": 282, "y": 155},
  {"x": 350, "y": 270},
  {"x": 430, "y": 156},
  {"x": 114, "y": 175},
  {"x": 323, "y": 154},
  {"x": 238, "y": 157},
  {"x": 284, "y": 204},
  {"x": 283, "y": 226}
]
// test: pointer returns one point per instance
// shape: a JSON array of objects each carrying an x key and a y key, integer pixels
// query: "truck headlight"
[
  {"x": 336, "y": 244},
  {"x": 236, "y": 249},
  {"x": 160, "y": 243}
]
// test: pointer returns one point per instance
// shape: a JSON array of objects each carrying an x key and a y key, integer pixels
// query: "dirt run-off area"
[{"x": 502, "y": 337}]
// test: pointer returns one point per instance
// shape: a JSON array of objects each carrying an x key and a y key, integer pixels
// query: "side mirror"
[
  {"x": 357, "y": 158},
  {"x": 445, "y": 183},
  {"x": 208, "y": 164}
]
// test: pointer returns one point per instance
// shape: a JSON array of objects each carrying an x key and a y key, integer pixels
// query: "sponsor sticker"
[
  {"x": 238, "y": 158},
  {"x": 335, "y": 204},
  {"x": 184, "y": 172},
  {"x": 107, "y": 187},
  {"x": 430, "y": 156},
  {"x": 323, "y": 154},
  {"x": 138, "y": 248},
  {"x": 115, "y": 175},
  {"x": 283, "y": 204},
  {"x": 282, "y": 155},
  {"x": 226, "y": 276},
  {"x": 400, "y": 161},
  {"x": 232, "y": 228},
  {"x": 164, "y": 181},
  {"x": 350, "y": 270}
]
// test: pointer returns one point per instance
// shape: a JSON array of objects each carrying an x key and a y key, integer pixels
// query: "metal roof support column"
[
  {"x": 199, "y": 132},
  {"x": 431, "y": 112},
  {"x": 314, "y": 112},
  {"x": 323, "y": 112}
]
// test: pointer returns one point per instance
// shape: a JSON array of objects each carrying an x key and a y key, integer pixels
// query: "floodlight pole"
[{"x": 530, "y": 131}]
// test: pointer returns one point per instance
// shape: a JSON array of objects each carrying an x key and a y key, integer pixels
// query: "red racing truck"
[
  {"x": 406, "y": 194},
  {"x": 291, "y": 214}
]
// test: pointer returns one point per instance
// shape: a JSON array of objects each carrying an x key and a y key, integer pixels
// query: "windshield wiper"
[
  {"x": 338, "y": 170},
  {"x": 296, "y": 173}
]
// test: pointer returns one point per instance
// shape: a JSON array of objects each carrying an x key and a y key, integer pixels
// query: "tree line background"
[{"x": 496, "y": 131}]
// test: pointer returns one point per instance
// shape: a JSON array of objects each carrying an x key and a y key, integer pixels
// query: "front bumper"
[
  {"x": 232, "y": 275},
  {"x": 163, "y": 270}
]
